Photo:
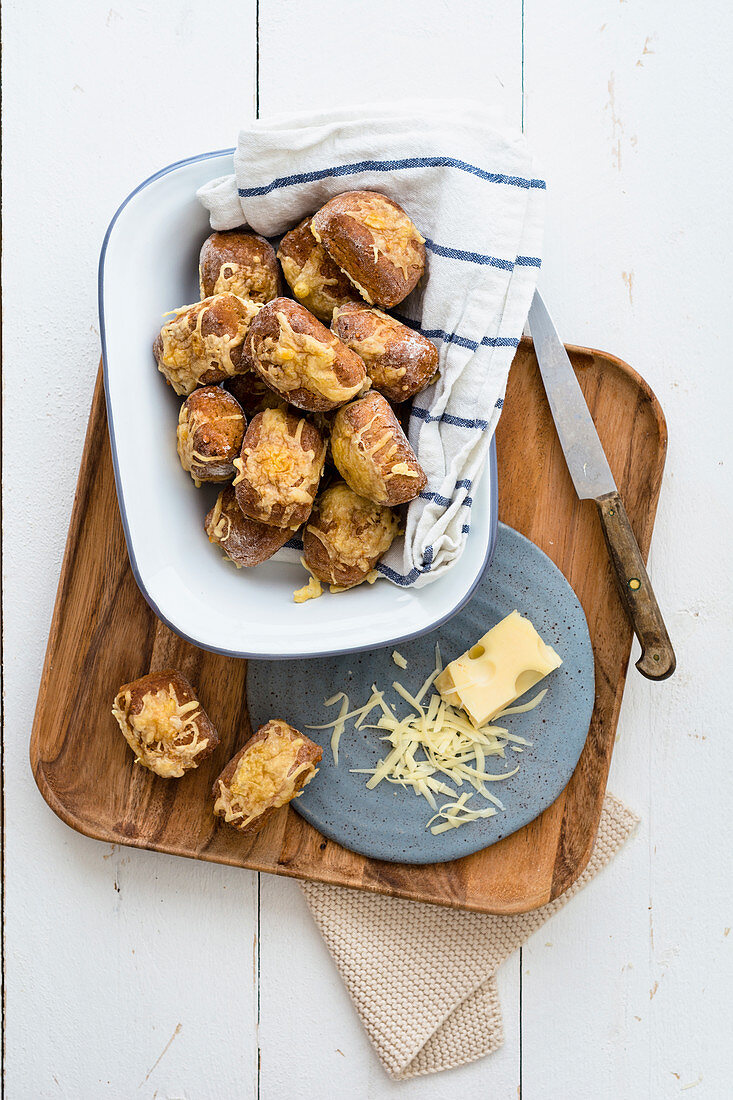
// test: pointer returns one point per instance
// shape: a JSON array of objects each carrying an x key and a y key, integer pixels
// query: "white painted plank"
[
  {"x": 350, "y": 54},
  {"x": 628, "y": 106},
  {"x": 107, "y": 952},
  {"x": 335, "y": 54}
]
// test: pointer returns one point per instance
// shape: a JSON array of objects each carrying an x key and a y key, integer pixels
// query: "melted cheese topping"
[
  {"x": 309, "y": 283},
  {"x": 375, "y": 343},
  {"x": 401, "y": 469},
  {"x": 505, "y": 663},
  {"x": 163, "y": 734},
  {"x": 357, "y": 532},
  {"x": 219, "y": 527},
  {"x": 382, "y": 331},
  {"x": 264, "y": 778},
  {"x": 393, "y": 234},
  {"x": 253, "y": 280},
  {"x": 279, "y": 467},
  {"x": 188, "y": 354},
  {"x": 185, "y": 442},
  {"x": 297, "y": 360},
  {"x": 368, "y": 462},
  {"x": 354, "y": 460},
  {"x": 310, "y": 591}
]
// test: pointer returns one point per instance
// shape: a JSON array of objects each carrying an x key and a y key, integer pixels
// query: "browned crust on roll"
[
  {"x": 252, "y": 393},
  {"x": 399, "y": 361},
  {"x": 373, "y": 240},
  {"x": 305, "y": 757},
  {"x": 204, "y": 343},
  {"x": 372, "y": 453},
  {"x": 209, "y": 436},
  {"x": 241, "y": 263},
  {"x": 245, "y": 541},
  {"x": 311, "y": 274},
  {"x": 298, "y": 357},
  {"x": 279, "y": 469},
  {"x": 346, "y": 535},
  {"x": 166, "y": 755}
]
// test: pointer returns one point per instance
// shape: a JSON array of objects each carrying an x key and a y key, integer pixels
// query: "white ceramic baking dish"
[{"x": 148, "y": 265}]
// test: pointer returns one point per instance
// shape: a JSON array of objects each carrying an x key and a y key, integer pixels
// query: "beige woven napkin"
[{"x": 422, "y": 1012}]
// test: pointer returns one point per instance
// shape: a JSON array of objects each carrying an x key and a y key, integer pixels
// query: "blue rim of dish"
[{"x": 493, "y": 488}]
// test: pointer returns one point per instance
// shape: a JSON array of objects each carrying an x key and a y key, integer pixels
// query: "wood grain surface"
[{"x": 103, "y": 633}]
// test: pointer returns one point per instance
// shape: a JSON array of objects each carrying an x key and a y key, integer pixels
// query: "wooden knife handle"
[{"x": 657, "y": 660}]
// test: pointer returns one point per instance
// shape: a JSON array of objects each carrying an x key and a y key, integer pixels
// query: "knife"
[{"x": 593, "y": 480}]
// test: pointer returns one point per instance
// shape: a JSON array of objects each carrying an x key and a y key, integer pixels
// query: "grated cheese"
[
  {"x": 398, "y": 659},
  {"x": 522, "y": 708},
  {"x": 457, "y": 813},
  {"x": 338, "y": 729},
  {"x": 434, "y": 749}
]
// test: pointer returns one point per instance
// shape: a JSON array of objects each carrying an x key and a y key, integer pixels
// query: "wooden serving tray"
[{"x": 103, "y": 634}]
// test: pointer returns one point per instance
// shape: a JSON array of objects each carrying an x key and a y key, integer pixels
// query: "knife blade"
[{"x": 593, "y": 480}]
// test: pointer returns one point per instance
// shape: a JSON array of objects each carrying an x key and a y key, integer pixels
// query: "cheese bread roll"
[
  {"x": 297, "y": 356},
  {"x": 164, "y": 723},
  {"x": 372, "y": 239},
  {"x": 311, "y": 274},
  {"x": 240, "y": 263},
  {"x": 399, "y": 361},
  {"x": 245, "y": 541},
  {"x": 209, "y": 436},
  {"x": 267, "y": 773},
  {"x": 204, "y": 343},
  {"x": 372, "y": 454},
  {"x": 346, "y": 535},
  {"x": 279, "y": 469}
]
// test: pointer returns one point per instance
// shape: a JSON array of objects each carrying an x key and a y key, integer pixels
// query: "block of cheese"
[{"x": 509, "y": 660}]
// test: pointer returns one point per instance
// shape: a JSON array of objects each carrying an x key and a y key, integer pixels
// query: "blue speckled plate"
[{"x": 388, "y": 822}]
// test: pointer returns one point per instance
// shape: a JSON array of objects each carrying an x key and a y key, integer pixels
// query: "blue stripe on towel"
[
  {"x": 403, "y": 579},
  {"x": 448, "y": 418},
  {"x": 500, "y": 342},
  {"x": 455, "y": 338},
  {"x": 406, "y": 579},
  {"x": 390, "y": 166},
  {"x": 469, "y": 257},
  {"x": 444, "y": 502}
]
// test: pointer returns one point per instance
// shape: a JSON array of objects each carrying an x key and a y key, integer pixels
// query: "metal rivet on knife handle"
[{"x": 657, "y": 659}]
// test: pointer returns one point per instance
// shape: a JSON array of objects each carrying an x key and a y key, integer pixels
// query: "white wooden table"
[{"x": 133, "y": 974}]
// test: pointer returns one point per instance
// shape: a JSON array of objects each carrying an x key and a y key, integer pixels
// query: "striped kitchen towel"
[{"x": 468, "y": 184}]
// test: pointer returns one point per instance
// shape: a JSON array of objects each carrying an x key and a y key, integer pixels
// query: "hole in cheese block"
[
  {"x": 509, "y": 660},
  {"x": 527, "y": 680}
]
